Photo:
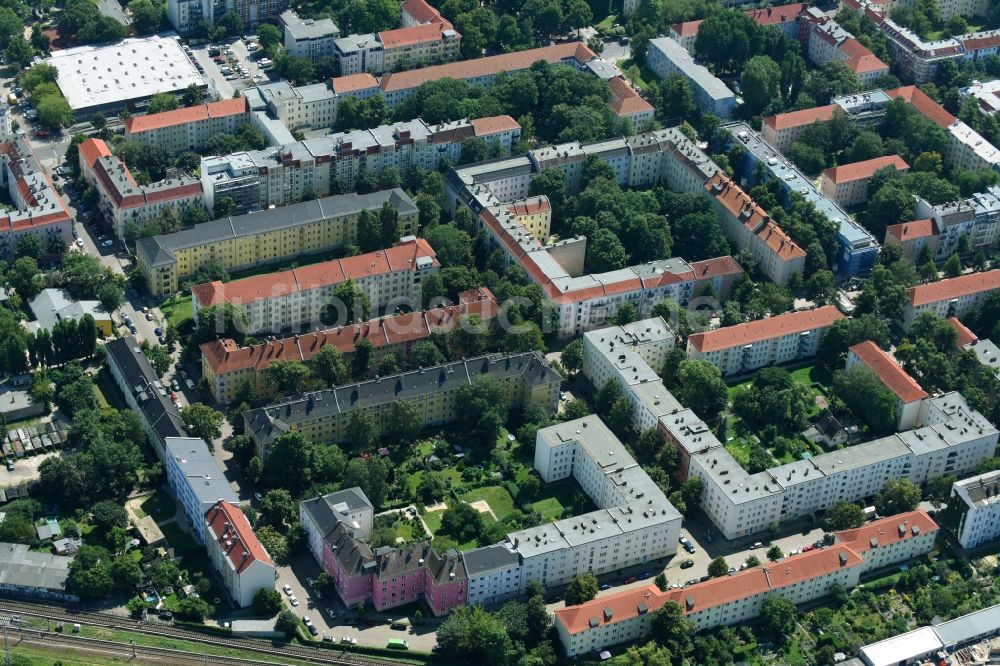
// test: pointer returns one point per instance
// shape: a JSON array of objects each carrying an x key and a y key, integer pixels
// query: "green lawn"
[
  {"x": 450, "y": 473},
  {"x": 177, "y": 310},
  {"x": 160, "y": 505},
  {"x": 433, "y": 520},
  {"x": 102, "y": 402},
  {"x": 813, "y": 374},
  {"x": 553, "y": 499},
  {"x": 496, "y": 496},
  {"x": 739, "y": 449},
  {"x": 178, "y": 539},
  {"x": 607, "y": 23},
  {"x": 637, "y": 73}
]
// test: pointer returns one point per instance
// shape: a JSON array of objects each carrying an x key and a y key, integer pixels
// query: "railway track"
[{"x": 16, "y": 608}]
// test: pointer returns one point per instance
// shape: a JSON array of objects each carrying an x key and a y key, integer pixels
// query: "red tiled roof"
[
  {"x": 977, "y": 43},
  {"x": 226, "y": 107},
  {"x": 353, "y": 83},
  {"x": 491, "y": 125},
  {"x": 226, "y": 356},
  {"x": 272, "y": 285},
  {"x": 686, "y": 29},
  {"x": 924, "y": 104},
  {"x": 715, "y": 267},
  {"x": 625, "y": 101},
  {"x": 965, "y": 336},
  {"x": 765, "y": 329},
  {"x": 232, "y": 531},
  {"x": 741, "y": 206},
  {"x": 421, "y": 12},
  {"x": 777, "y": 15},
  {"x": 887, "y": 531},
  {"x": 92, "y": 149},
  {"x": 477, "y": 67},
  {"x": 866, "y": 63},
  {"x": 888, "y": 371},
  {"x": 906, "y": 231},
  {"x": 532, "y": 206},
  {"x": 802, "y": 117},
  {"x": 945, "y": 290},
  {"x": 711, "y": 593},
  {"x": 864, "y": 169},
  {"x": 417, "y": 34}
]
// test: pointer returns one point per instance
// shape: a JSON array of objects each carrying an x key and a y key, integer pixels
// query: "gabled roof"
[
  {"x": 232, "y": 531},
  {"x": 709, "y": 594},
  {"x": 965, "y": 336},
  {"x": 417, "y": 34},
  {"x": 764, "y": 329},
  {"x": 625, "y": 101},
  {"x": 353, "y": 83},
  {"x": 494, "y": 125},
  {"x": 924, "y": 104},
  {"x": 421, "y": 12},
  {"x": 402, "y": 256},
  {"x": 92, "y": 149},
  {"x": 907, "y": 231},
  {"x": 489, "y": 66},
  {"x": 864, "y": 169},
  {"x": 888, "y": 371},
  {"x": 802, "y": 117},
  {"x": 945, "y": 290},
  {"x": 226, "y": 107},
  {"x": 740, "y": 205},
  {"x": 886, "y": 531}
]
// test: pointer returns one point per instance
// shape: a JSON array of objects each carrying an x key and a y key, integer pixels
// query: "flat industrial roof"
[{"x": 132, "y": 69}]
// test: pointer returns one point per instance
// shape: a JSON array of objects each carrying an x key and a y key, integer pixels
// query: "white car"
[
  {"x": 306, "y": 620},
  {"x": 287, "y": 589},
  {"x": 349, "y": 640},
  {"x": 79, "y": 242},
  {"x": 188, "y": 383},
  {"x": 293, "y": 600}
]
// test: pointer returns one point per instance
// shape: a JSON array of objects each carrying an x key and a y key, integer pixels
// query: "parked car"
[
  {"x": 630, "y": 579},
  {"x": 313, "y": 630},
  {"x": 166, "y": 615},
  {"x": 158, "y": 331},
  {"x": 286, "y": 588},
  {"x": 79, "y": 242},
  {"x": 188, "y": 383},
  {"x": 349, "y": 640},
  {"x": 687, "y": 564},
  {"x": 107, "y": 243},
  {"x": 293, "y": 600},
  {"x": 689, "y": 547},
  {"x": 606, "y": 586},
  {"x": 149, "y": 316}
]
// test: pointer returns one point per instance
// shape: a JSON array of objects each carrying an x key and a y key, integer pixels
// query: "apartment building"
[
  {"x": 418, "y": 12},
  {"x": 952, "y": 297},
  {"x": 391, "y": 577},
  {"x": 295, "y": 172},
  {"x": 417, "y": 45},
  {"x": 977, "y": 219},
  {"x": 321, "y": 515},
  {"x": 397, "y": 86},
  {"x": 711, "y": 95},
  {"x": 737, "y": 598},
  {"x": 912, "y": 237},
  {"x": 144, "y": 393},
  {"x": 196, "y": 481},
  {"x": 858, "y": 248},
  {"x": 772, "y": 341},
  {"x": 847, "y": 184},
  {"x": 585, "y": 301},
  {"x": 237, "y": 554},
  {"x": 986, "y": 94},
  {"x": 188, "y": 128},
  {"x": 304, "y": 107},
  {"x": 784, "y": 129},
  {"x": 952, "y": 439},
  {"x": 323, "y": 416},
  {"x": 226, "y": 365},
  {"x": 312, "y": 39},
  {"x": 264, "y": 238},
  {"x": 36, "y": 208},
  {"x": 783, "y": 17},
  {"x": 299, "y": 298},
  {"x": 749, "y": 228},
  {"x": 910, "y": 398},
  {"x": 185, "y": 15},
  {"x": 626, "y": 103},
  {"x": 977, "y": 507},
  {"x": 628, "y": 355},
  {"x": 124, "y": 202},
  {"x": 634, "y": 522},
  {"x": 494, "y": 573},
  {"x": 826, "y": 41},
  {"x": 986, "y": 351}
]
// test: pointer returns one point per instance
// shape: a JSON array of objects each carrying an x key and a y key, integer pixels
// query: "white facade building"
[
  {"x": 494, "y": 574},
  {"x": 319, "y": 516},
  {"x": 711, "y": 95},
  {"x": 237, "y": 555},
  {"x": 978, "y": 500},
  {"x": 952, "y": 297},
  {"x": 308, "y": 38}
]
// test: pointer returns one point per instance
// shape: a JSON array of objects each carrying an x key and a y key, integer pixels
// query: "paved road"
[{"x": 114, "y": 10}]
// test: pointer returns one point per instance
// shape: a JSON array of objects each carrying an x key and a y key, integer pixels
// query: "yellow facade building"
[{"x": 264, "y": 238}]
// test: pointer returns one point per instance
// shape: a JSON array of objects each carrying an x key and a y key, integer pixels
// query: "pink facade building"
[{"x": 392, "y": 577}]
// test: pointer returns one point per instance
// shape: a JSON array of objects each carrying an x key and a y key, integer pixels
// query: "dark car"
[
  {"x": 687, "y": 564},
  {"x": 689, "y": 547},
  {"x": 693, "y": 581},
  {"x": 313, "y": 630},
  {"x": 166, "y": 615},
  {"x": 630, "y": 579}
]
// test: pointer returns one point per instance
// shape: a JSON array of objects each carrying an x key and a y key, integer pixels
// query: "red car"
[
  {"x": 630, "y": 579},
  {"x": 808, "y": 548}
]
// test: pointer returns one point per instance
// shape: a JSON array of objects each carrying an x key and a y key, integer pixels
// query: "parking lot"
[{"x": 234, "y": 54}]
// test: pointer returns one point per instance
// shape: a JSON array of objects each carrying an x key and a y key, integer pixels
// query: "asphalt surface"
[{"x": 217, "y": 79}]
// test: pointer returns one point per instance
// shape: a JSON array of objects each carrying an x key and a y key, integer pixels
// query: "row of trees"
[{"x": 40, "y": 82}]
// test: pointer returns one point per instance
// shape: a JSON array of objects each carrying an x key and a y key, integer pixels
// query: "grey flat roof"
[
  {"x": 961, "y": 630},
  {"x": 23, "y": 567},
  {"x": 300, "y": 28},
  {"x": 323, "y": 510},
  {"x": 206, "y": 480},
  {"x": 480, "y": 561},
  {"x": 699, "y": 74},
  {"x": 158, "y": 249}
]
